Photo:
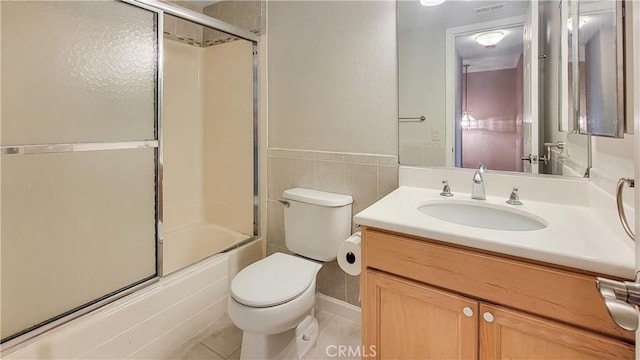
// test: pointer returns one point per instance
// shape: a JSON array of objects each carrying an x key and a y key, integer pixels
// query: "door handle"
[{"x": 621, "y": 299}]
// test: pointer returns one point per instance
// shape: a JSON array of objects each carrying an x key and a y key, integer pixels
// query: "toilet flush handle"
[{"x": 285, "y": 203}]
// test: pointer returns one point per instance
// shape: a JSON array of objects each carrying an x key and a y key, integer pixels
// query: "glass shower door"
[{"x": 80, "y": 156}]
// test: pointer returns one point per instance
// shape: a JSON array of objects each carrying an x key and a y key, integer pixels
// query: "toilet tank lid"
[{"x": 315, "y": 197}]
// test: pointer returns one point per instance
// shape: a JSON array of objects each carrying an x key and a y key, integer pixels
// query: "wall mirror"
[
  {"x": 491, "y": 82},
  {"x": 597, "y": 57}
]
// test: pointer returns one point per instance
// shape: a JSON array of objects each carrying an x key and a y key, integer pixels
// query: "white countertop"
[{"x": 575, "y": 236}]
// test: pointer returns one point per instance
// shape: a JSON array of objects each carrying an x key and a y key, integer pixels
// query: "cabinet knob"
[
  {"x": 488, "y": 317},
  {"x": 467, "y": 311}
]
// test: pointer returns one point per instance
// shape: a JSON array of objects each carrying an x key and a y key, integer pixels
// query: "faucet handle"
[
  {"x": 514, "y": 198},
  {"x": 446, "y": 191}
]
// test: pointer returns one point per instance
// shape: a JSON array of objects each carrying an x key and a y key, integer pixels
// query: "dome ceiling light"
[
  {"x": 489, "y": 39},
  {"x": 580, "y": 23},
  {"x": 431, "y": 2}
]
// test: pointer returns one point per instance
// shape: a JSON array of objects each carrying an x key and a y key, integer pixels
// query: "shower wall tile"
[
  {"x": 226, "y": 11},
  {"x": 366, "y": 177},
  {"x": 189, "y": 31},
  {"x": 248, "y": 15},
  {"x": 212, "y": 11},
  {"x": 170, "y": 24},
  {"x": 182, "y": 30},
  {"x": 245, "y": 13},
  {"x": 260, "y": 17}
]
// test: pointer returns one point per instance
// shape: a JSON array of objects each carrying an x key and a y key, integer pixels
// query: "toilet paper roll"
[{"x": 349, "y": 255}]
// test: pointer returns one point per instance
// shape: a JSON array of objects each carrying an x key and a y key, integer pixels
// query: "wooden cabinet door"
[
  {"x": 409, "y": 320},
  {"x": 510, "y": 334}
]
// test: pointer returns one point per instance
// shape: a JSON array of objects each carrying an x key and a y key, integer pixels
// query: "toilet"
[{"x": 272, "y": 300}]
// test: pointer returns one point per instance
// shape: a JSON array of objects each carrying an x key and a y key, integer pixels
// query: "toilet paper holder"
[{"x": 351, "y": 257}]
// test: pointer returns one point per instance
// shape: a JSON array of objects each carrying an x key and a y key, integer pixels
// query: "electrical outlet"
[{"x": 435, "y": 135}]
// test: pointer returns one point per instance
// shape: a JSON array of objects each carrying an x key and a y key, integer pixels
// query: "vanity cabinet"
[
  {"x": 424, "y": 299},
  {"x": 415, "y": 321},
  {"x": 511, "y": 334}
]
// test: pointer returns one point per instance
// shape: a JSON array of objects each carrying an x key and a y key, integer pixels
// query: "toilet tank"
[{"x": 316, "y": 222}]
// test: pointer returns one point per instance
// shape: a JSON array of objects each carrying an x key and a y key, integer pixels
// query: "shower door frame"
[{"x": 159, "y": 8}]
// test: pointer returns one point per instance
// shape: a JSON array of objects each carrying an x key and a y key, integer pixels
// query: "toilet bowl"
[
  {"x": 272, "y": 300},
  {"x": 269, "y": 300}
]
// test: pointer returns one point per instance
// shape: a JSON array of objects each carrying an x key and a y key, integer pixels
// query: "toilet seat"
[{"x": 274, "y": 280}]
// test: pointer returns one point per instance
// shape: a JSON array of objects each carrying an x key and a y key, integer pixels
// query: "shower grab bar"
[
  {"x": 75, "y": 147},
  {"x": 413, "y": 119},
  {"x": 620, "y": 204}
]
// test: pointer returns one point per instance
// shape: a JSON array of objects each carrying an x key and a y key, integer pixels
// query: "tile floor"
[{"x": 222, "y": 340}]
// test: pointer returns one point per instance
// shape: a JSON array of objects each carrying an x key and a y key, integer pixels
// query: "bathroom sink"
[{"x": 483, "y": 215}]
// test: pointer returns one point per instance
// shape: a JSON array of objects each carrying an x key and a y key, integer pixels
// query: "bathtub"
[{"x": 188, "y": 245}]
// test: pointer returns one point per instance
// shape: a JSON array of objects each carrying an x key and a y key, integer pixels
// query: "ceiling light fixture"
[
  {"x": 431, "y": 2},
  {"x": 580, "y": 23},
  {"x": 489, "y": 39}
]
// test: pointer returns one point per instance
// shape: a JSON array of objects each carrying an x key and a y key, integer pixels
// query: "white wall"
[
  {"x": 422, "y": 70},
  {"x": 332, "y": 76},
  {"x": 332, "y": 110}
]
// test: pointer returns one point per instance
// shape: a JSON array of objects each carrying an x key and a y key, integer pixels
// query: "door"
[
  {"x": 530, "y": 135},
  {"x": 409, "y": 320},
  {"x": 509, "y": 334},
  {"x": 80, "y": 151}
]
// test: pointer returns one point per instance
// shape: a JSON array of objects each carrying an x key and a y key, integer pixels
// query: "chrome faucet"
[
  {"x": 446, "y": 190},
  {"x": 477, "y": 189}
]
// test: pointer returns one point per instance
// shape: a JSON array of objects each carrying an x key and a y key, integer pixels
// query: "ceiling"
[
  {"x": 480, "y": 58},
  {"x": 455, "y": 12}
]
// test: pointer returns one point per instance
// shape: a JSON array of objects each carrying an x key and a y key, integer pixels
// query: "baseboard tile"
[{"x": 338, "y": 307}]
